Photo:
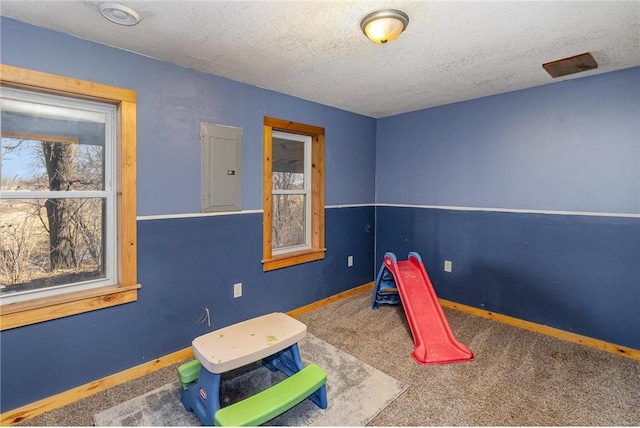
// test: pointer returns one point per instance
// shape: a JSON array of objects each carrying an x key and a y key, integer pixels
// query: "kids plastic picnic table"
[{"x": 272, "y": 338}]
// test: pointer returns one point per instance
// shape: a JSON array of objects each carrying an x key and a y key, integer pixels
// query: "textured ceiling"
[{"x": 451, "y": 50}]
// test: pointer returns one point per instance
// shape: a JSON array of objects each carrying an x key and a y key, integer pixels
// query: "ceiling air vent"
[{"x": 573, "y": 64}]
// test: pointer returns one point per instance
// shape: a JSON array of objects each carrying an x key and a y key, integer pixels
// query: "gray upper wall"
[
  {"x": 567, "y": 146},
  {"x": 173, "y": 100}
]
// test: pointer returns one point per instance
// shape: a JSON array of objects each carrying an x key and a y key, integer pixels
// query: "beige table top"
[{"x": 240, "y": 344}]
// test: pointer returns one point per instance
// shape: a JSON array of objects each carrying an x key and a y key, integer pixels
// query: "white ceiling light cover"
[{"x": 384, "y": 25}]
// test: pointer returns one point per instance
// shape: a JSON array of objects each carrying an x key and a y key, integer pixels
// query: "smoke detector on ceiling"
[{"x": 119, "y": 14}]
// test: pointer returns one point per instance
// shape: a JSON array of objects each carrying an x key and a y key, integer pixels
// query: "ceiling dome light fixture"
[
  {"x": 384, "y": 25},
  {"x": 119, "y": 14}
]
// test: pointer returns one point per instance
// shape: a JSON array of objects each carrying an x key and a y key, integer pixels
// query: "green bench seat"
[
  {"x": 189, "y": 372},
  {"x": 271, "y": 402}
]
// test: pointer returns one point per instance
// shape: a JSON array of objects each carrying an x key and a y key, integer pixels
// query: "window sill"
[
  {"x": 293, "y": 258},
  {"x": 48, "y": 308}
]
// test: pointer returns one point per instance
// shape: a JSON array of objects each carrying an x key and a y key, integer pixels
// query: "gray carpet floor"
[{"x": 517, "y": 378}]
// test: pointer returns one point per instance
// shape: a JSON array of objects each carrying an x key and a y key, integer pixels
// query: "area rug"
[{"x": 356, "y": 393}]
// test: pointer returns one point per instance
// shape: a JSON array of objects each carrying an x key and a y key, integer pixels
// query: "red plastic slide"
[{"x": 434, "y": 342}]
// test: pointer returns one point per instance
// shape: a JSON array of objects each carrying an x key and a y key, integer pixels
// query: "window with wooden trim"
[
  {"x": 293, "y": 193},
  {"x": 67, "y": 197}
]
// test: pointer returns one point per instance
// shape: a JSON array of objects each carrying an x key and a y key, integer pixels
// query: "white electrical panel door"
[{"x": 221, "y": 167}]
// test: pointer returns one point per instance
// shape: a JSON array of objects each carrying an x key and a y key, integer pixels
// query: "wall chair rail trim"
[{"x": 513, "y": 210}]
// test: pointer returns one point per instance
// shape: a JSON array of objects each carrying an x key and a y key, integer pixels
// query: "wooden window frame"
[
  {"x": 317, "y": 249},
  {"x": 125, "y": 290}
]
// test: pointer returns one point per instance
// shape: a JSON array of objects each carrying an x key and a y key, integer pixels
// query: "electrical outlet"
[
  {"x": 447, "y": 266},
  {"x": 350, "y": 261},
  {"x": 237, "y": 290}
]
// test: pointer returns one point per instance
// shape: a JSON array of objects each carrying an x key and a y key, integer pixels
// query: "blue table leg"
[
  {"x": 319, "y": 397},
  {"x": 287, "y": 361},
  {"x": 203, "y": 397}
]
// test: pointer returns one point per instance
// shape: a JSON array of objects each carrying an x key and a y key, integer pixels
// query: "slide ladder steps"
[{"x": 386, "y": 291}]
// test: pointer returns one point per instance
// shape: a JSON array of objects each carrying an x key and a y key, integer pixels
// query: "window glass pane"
[
  {"x": 47, "y": 147},
  {"x": 43, "y": 165},
  {"x": 287, "y": 164},
  {"x": 50, "y": 242},
  {"x": 288, "y": 221}
]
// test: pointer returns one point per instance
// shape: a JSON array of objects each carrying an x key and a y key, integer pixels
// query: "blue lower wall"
[
  {"x": 577, "y": 273},
  {"x": 184, "y": 265}
]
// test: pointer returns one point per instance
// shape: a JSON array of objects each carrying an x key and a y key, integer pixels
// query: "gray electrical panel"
[{"x": 221, "y": 172}]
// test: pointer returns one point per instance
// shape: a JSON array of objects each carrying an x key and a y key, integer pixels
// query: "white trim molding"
[{"x": 513, "y": 210}]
